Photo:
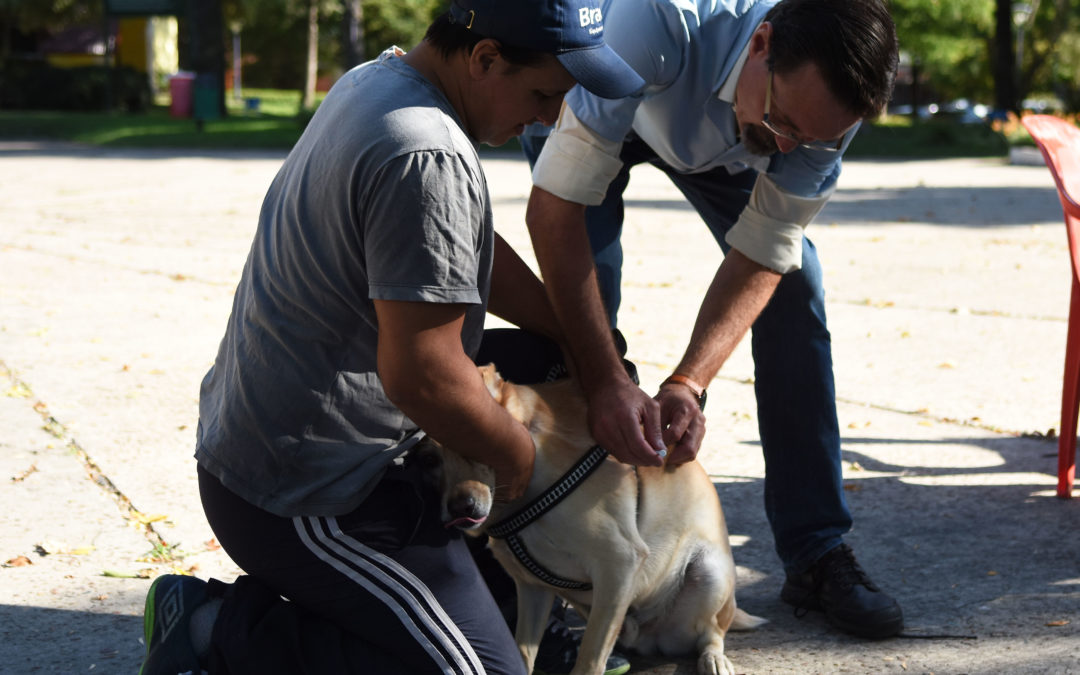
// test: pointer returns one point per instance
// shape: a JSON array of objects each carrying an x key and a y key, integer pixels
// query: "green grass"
[
  {"x": 277, "y": 125},
  {"x": 275, "y": 102},
  {"x": 902, "y": 137},
  {"x": 155, "y": 129}
]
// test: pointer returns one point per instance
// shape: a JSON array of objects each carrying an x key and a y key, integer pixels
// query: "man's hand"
[
  {"x": 682, "y": 421},
  {"x": 625, "y": 421}
]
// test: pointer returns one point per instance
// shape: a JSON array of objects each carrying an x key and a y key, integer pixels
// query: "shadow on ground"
[
  {"x": 979, "y": 557},
  {"x": 45, "y": 640}
]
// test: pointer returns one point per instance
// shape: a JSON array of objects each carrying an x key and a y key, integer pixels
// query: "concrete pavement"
[{"x": 947, "y": 287}]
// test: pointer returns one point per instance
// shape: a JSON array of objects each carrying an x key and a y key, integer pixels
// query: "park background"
[
  {"x": 125, "y": 220},
  {"x": 249, "y": 73}
]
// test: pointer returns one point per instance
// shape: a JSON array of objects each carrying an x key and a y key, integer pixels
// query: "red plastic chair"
[{"x": 1060, "y": 145}]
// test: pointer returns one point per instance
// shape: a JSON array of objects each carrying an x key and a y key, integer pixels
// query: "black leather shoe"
[{"x": 838, "y": 586}]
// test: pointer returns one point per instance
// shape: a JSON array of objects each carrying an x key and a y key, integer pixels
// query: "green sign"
[{"x": 145, "y": 7}]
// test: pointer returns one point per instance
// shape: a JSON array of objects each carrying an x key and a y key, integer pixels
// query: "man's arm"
[
  {"x": 427, "y": 375},
  {"x": 623, "y": 419},
  {"x": 737, "y": 295}
]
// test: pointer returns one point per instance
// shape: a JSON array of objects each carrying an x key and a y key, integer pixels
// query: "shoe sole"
[{"x": 883, "y": 631}]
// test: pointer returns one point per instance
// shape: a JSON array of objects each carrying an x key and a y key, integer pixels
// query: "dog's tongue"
[{"x": 464, "y": 522}]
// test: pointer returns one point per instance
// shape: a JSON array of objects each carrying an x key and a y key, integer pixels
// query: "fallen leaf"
[
  {"x": 212, "y": 545},
  {"x": 48, "y": 547},
  {"x": 146, "y": 518},
  {"x": 22, "y": 476},
  {"x": 991, "y": 573},
  {"x": 1060, "y": 622},
  {"x": 82, "y": 550},
  {"x": 19, "y": 390},
  {"x": 947, "y": 364},
  {"x": 53, "y": 427},
  {"x": 21, "y": 561}
]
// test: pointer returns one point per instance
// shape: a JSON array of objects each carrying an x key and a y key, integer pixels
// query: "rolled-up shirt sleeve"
[
  {"x": 577, "y": 164},
  {"x": 769, "y": 231},
  {"x": 783, "y": 202}
]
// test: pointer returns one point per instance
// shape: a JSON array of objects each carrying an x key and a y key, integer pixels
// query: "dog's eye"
[{"x": 428, "y": 457}]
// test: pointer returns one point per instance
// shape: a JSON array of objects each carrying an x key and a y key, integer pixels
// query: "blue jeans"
[{"x": 791, "y": 346}]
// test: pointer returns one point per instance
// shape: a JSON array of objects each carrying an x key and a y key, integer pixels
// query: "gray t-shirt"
[{"x": 383, "y": 197}]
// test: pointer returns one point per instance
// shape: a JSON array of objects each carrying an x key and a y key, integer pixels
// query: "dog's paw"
[{"x": 713, "y": 662}]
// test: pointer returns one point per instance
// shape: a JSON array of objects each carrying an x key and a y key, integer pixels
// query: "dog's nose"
[{"x": 465, "y": 506}]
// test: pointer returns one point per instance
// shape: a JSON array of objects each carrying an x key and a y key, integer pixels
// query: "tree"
[
  {"x": 1050, "y": 58},
  {"x": 1005, "y": 81},
  {"x": 311, "y": 73},
  {"x": 948, "y": 41},
  {"x": 32, "y": 16},
  {"x": 352, "y": 33}
]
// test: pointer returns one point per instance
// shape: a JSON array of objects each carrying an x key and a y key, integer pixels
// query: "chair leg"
[{"x": 1070, "y": 399}]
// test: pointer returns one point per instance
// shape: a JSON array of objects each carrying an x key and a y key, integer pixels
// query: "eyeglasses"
[{"x": 828, "y": 146}]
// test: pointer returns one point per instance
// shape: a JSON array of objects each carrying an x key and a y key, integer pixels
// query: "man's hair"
[
  {"x": 449, "y": 37},
  {"x": 852, "y": 42}
]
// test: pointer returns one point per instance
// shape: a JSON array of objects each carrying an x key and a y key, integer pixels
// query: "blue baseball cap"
[{"x": 572, "y": 30}]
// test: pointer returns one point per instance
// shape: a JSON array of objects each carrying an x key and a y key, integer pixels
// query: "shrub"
[{"x": 34, "y": 85}]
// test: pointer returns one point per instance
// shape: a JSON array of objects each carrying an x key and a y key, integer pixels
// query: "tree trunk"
[
  {"x": 312, "y": 71},
  {"x": 1004, "y": 58},
  {"x": 352, "y": 33}
]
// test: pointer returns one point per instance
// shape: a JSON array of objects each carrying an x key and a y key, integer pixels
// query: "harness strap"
[
  {"x": 546, "y": 500},
  {"x": 508, "y": 527},
  {"x": 517, "y": 547}
]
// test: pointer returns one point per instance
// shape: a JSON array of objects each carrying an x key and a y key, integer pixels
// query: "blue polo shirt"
[{"x": 690, "y": 54}]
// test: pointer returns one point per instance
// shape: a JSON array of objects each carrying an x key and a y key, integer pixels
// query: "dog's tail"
[{"x": 744, "y": 621}]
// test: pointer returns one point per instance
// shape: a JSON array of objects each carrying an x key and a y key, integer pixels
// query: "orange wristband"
[{"x": 698, "y": 390}]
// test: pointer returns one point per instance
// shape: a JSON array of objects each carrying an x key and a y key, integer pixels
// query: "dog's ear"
[
  {"x": 493, "y": 381},
  {"x": 506, "y": 394}
]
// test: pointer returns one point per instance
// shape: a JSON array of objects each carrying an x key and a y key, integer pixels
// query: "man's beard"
[{"x": 759, "y": 140}]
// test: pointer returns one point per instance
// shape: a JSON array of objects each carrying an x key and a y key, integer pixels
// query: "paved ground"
[{"x": 947, "y": 286}]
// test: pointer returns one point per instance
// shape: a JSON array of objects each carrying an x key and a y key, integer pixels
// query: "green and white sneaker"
[
  {"x": 558, "y": 651},
  {"x": 171, "y": 600}
]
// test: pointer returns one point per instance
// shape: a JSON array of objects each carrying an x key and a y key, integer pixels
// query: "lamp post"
[
  {"x": 237, "y": 61},
  {"x": 1022, "y": 13}
]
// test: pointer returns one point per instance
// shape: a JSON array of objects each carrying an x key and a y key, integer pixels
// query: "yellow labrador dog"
[{"x": 641, "y": 553}]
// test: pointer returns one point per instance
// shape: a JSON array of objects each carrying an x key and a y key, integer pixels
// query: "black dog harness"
[{"x": 508, "y": 527}]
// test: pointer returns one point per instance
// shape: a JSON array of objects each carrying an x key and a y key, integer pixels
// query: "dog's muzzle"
[{"x": 468, "y": 508}]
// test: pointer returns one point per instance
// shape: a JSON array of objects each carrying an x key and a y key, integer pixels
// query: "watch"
[{"x": 698, "y": 390}]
